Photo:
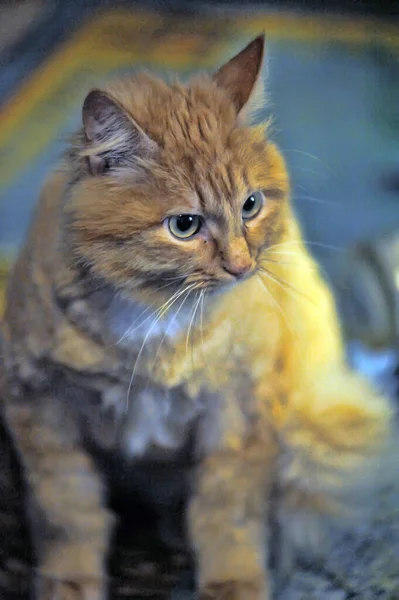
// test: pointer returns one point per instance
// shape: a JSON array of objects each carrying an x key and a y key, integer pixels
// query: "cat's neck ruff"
[{"x": 132, "y": 321}]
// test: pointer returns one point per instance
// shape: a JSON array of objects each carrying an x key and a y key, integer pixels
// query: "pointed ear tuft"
[
  {"x": 114, "y": 138},
  {"x": 240, "y": 75}
]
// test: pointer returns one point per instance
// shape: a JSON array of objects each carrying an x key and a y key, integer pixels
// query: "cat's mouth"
[
  {"x": 220, "y": 285},
  {"x": 171, "y": 284}
]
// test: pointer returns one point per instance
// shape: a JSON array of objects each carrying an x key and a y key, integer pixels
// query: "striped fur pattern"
[{"x": 205, "y": 371}]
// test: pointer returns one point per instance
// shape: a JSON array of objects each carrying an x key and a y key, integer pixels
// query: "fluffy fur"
[{"x": 211, "y": 366}]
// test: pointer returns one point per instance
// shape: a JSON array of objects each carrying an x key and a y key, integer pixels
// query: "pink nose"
[{"x": 238, "y": 269}]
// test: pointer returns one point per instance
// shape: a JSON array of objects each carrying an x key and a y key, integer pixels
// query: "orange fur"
[{"x": 266, "y": 353}]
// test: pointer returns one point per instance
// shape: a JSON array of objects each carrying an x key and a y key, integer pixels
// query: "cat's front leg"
[
  {"x": 228, "y": 522},
  {"x": 69, "y": 524}
]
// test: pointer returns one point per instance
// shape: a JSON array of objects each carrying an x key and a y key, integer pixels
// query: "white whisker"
[
  {"x": 169, "y": 326},
  {"x": 287, "y": 287},
  {"x": 277, "y": 305},
  {"x": 131, "y": 329},
  {"x": 202, "y": 327},
  {"x": 161, "y": 312},
  {"x": 195, "y": 306},
  {"x": 289, "y": 263},
  {"x": 309, "y": 243},
  {"x": 315, "y": 200},
  {"x": 316, "y": 158},
  {"x": 311, "y": 266}
]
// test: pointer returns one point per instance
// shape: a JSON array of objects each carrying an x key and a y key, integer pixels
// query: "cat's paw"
[
  {"x": 234, "y": 590},
  {"x": 51, "y": 588}
]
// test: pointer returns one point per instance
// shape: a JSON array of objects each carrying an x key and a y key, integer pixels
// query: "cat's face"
[{"x": 178, "y": 192}]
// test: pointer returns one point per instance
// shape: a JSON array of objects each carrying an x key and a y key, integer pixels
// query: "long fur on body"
[{"x": 208, "y": 370}]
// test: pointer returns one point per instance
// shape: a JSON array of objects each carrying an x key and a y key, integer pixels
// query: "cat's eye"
[
  {"x": 184, "y": 226},
  {"x": 252, "y": 206}
]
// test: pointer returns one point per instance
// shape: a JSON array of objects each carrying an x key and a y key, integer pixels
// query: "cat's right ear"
[
  {"x": 241, "y": 78},
  {"x": 114, "y": 139}
]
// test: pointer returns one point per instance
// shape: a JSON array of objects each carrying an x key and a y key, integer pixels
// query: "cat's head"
[{"x": 172, "y": 187}]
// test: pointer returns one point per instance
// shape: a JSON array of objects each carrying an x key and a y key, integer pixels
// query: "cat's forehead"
[
  {"x": 197, "y": 117},
  {"x": 196, "y": 127},
  {"x": 201, "y": 136}
]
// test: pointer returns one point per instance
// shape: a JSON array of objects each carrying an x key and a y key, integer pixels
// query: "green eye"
[
  {"x": 252, "y": 206},
  {"x": 184, "y": 226}
]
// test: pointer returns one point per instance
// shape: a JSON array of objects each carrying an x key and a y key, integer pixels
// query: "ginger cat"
[{"x": 166, "y": 329}]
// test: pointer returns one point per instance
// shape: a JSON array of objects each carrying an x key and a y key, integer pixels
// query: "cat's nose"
[
  {"x": 239, "y": 269},
  {"x": 236, "y": 258}
]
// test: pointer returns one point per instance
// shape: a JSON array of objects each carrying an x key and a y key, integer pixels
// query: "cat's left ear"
[
  {"x": 114, "y": 138},
  {"x": 241, "y": 76}
]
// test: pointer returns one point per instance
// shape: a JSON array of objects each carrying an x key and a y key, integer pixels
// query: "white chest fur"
[
  {"x": 157, "y": 422},
  {"x": 134, "y": 322}
]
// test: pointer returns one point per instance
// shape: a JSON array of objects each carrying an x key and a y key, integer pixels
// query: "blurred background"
[{"x": 333, "y": 79}]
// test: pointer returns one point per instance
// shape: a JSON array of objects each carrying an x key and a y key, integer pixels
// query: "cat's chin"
[
  {"x": 223, "y": 287},
  {"x": 152, "y": 291},
  {"x": 219, "y": 290}
]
